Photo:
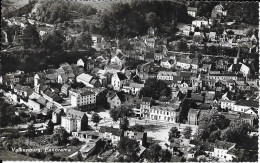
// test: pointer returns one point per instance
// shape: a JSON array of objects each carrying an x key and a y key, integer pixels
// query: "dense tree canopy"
[
  {"x": 155, "y": 153},
  {"x": 130, "y": 20},
  {"x": 210, "y": 123},
  {"x": 56, "y": 12},
  {"x": 128, "y": 147},
  {"x": 53, "y": 41},
  {"x": 155, "y": 88}
]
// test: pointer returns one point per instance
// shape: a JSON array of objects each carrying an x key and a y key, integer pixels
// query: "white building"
[
  {"x": 200, "y": 22},
  {"x": 74, "y": 121},
  {"x": 164, "y": 112},
  {"x": 242, "y": 68},
  {"x": 150, "y": 42},
  {"x": 118, "y": 80},
  {"x": 135, "y": 88},
  {"x": 80, "y": 62},
  {"x": 82, "y": 97},
  {"x": 166, "y": 75},
  {"x": 186, "y": 63},
  {"x": 192, "y": 11},
  {"x": 221, "y": 150},
  {"x": 85, "y": 79}
]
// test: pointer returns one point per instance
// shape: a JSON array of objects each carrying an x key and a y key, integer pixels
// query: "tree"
[
  {"x": 215, "y": 135},
  {"x": 124, "y": 124},
  {"x": 95, "y": 118},
  {"x": 128, "y": 147},
  {"x": 79, "y": 157},
  {"x": 138, "y": 128},
  {"x": 236, "y": 132},
  {"x": 181, "y": 45},
  {"x": 174, "y": 132},
  {"x": 50, "y": 127},
  {"x": 152, "y": 154},
  {"x": 187, "y": 132},
  {"x": 151, "y": 19},
  {"x": 74, "y": 141},
  {"x": 165, "y": 155},
  {"x": 118, "y": 113},
  {"x": 31, "y": 37},
  {"x": 155, "y": 88},
  {"x": 31, "y": 130},
  {"x": 53, "y": 41},
  {"x": 61, "y": 135}
]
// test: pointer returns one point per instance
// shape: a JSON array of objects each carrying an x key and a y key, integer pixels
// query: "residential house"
[
  {"x": 118, "y": 80},
  {"x": 88, "y": 80},
  {"x": 186, "y": 63},
  {"x": 158, "y": 56},
  {"x": 197, "y": 97},
  {"x": 116, "y": 99},
  {"x": 101, "y": 96},
  {"x": 244, "y": 105},
  {"x": 218, "y": 11},
  {"x": 56, "y": 115},
  {"x": 212, "y": 36},
  {"x": 86, "y": 136},
  {"x": 90, "y": 147},
  {"x": 34, "y": 105},
  {"x": 248, "y": 118},
  {"x": 80, "y": 62},
  {"x": 140, "y": 137},
  {"x": 74, "y": 121},
  {"x": 96, "y": 41},
  {"x": 110, "y": 133},
  {"x": 118, "y": 59},
  {"x": 167, "y": 63},
  {"x": 192, "y": 11},
  {"x": 135, "y": 88},
  {"x": 145, "y": 106},
  {"x": 222, "y": 77},
  {"x": 82, "y": 97},
  {"x": 201, "y": 21},
  {"x": 150, "y": 42},
  {"x": 65, "y": 89},
  {"x": 165, "y": 112},
  {"x": 193, "y": 116},
  {"x": 209, "y": 98},
  {"x": 152, "y": 31},
  {"x": 166, "y": 75},
  {"x": 183, "y": 88},
  {"x": 242, "y": 68},
  {"x": 253, "y": 80},
  {"x": 227, "y": 102},
  {"x": 24, "y": 91},
  {"x": 221, "y": 150}
]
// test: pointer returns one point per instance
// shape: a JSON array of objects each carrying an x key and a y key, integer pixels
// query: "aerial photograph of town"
[{"x": 129, "y": 81}]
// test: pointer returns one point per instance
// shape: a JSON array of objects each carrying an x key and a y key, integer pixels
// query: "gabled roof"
[
  {"x": 85, "y": 77},
  {"x": 147, "y": 99},
  {"x": 248, "y": 103},
  {"x": 136, "y": 85},
  {"x": 194, "y": 111},
  {"x": 114, "y": 131},
  {"x": 247, "y": 116},
  {"x": 192, "y": 9},
  {"x": 167, "y": 73},
  {"x": 223, "y": 144},
  {"x": 75, "y": 113},
  {"x": 121, "y": 76}
]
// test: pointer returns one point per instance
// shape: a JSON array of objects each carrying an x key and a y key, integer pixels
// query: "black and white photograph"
[{"x": 129, "y": 81}]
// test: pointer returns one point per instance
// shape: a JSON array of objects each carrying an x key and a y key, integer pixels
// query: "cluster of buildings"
[{"x": 68, "y": 92}]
